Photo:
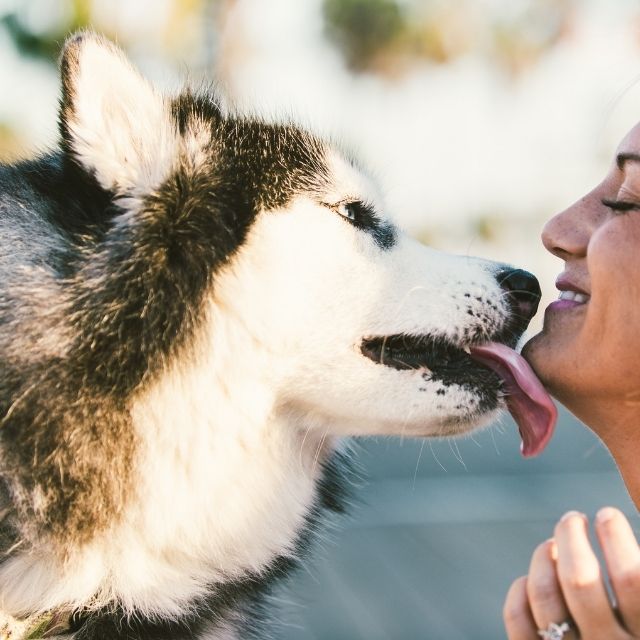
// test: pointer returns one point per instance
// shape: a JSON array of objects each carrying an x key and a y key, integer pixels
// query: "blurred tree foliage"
[
  {"x": 45, "y": 40},
  {"x": 389, "y": 35},
  {"x": 45, "y": 44},
  {"x": 364, "y": 28}
]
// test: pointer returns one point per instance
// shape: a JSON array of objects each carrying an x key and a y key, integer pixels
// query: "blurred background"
[{"x": 480, "y": 118}]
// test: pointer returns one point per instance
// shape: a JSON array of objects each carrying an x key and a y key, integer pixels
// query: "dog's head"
[{"x": 280, "y": 245}]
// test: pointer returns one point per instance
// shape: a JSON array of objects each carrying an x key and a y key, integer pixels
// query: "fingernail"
[
  {"x": 572, "y": 514},
  {"x": 605, "y": 515}
]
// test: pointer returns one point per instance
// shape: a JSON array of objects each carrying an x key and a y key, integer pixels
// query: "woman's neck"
[{"x": 616, "y": 421}]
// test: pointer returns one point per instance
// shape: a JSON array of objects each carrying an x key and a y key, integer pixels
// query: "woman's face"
[{"x": 589, "y": 348}]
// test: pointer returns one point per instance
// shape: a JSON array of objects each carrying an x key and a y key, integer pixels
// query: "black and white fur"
[{"x": 185, "y": 302}]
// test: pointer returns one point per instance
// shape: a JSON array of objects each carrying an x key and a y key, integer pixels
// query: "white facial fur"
[{"x": 314, "y": 286}]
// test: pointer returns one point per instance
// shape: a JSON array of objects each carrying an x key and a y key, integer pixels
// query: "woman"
[{"x": 588, "y": 356}]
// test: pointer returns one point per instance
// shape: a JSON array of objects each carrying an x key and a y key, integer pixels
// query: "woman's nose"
[{"x": 567, "y": 234}]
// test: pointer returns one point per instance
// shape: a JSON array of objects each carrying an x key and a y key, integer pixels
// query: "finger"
[
  {"x": 581, "y": 580},
  {"x": 543, "y": 587},
  {"x": 622, "y": 556},
  {"x": 516, "y": 613}
]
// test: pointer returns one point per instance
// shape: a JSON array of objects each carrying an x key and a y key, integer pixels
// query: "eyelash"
[
  {"x": 620, "y": 206},
  {"x": 362, "y": 215}
]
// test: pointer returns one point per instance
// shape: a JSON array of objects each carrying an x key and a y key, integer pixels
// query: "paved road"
[{"x": 441, "y": 532}]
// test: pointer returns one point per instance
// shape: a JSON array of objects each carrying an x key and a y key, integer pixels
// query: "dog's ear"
[{"x": 112, "y": 121}]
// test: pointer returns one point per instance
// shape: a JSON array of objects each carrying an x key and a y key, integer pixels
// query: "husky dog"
[{"x": 197, "y": 309}]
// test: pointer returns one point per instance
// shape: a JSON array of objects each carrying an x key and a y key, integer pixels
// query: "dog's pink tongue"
[{"x": 527, "y": 401}]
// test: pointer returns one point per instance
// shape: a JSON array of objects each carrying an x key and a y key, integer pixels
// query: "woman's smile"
[{"x": 571, "y": 296}]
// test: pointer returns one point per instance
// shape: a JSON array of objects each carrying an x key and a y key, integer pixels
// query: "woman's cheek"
[{"x": 613, "y": 260}]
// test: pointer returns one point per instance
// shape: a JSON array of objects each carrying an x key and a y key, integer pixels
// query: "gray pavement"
[{"x": 441, "y": 531}]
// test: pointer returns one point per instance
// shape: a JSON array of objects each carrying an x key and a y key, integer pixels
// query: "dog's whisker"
[
  {"x": 304, "y": 439},
  {"x": 493, "y": 439},
  {"x": 453, "y": 445},
  {"x": 435, "y": 457},
  {"x": 318, "y": 451},
  {"x": 415, "y": 471},
  {"x": 397, "y": 313}
]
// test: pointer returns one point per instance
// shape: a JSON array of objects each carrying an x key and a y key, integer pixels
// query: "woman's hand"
[{"x": 567, "y": 583}]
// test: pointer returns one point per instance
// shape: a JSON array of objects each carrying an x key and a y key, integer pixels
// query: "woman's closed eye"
[{"x": 621, "y": 206}]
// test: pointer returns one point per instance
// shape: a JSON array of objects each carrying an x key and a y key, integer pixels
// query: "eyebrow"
[{"x": 622, "y": 158}]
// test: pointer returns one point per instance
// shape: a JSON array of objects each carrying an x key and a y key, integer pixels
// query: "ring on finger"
[{"x": 555, "y": 631}]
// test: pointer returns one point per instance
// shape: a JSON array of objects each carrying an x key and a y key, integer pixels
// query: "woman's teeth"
[{"x": 580, "y": 298}]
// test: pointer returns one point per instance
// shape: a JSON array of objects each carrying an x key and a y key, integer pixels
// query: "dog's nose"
[{"x": 523, "y": 290}]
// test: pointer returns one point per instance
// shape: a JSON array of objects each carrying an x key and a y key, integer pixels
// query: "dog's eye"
[
  {"x": 348, "y": 210},
  {"x": 363, "y": 217},
  {"x": 355, "y": 211}
]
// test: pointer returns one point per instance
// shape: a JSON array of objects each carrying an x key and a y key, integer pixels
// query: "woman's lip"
[
  {"x": 564, "y": 284},
  {"x": 559, "y": 305}
]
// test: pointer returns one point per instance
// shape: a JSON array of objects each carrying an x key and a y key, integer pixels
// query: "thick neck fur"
[
  {"x": 225, "y": 480},
  {"x": 230, "y": 477}
]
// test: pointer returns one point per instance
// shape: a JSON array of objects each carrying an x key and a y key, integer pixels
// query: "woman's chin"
[
  {"x": 546, "y": 361},
  {"x": 552, "y": 363},
  {"x": 531, "y": 352}
]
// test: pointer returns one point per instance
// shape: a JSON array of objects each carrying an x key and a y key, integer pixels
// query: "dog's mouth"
[
  {"x": 402, "y": 351},
  {"x": 488, "y": 369}
]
